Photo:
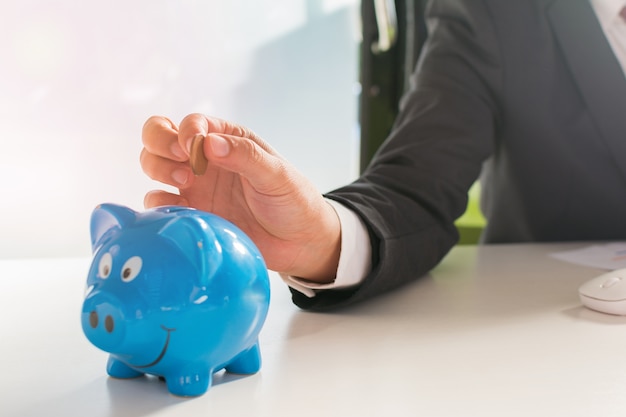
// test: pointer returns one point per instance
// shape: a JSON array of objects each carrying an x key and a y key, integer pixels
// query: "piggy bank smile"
[{"x": 163, "y": 350}]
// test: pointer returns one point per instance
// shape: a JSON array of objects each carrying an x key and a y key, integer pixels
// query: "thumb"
[
  {"x": 264, "y": 169},
  {"x": 219, "y": 146}
]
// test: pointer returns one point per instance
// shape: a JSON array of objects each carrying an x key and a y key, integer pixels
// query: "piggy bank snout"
[{"x": 103, "y": 321}]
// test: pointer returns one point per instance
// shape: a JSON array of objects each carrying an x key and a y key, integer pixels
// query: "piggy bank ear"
[
  {"x": 108, "y": 217},
  {"x": 196, "y": 240}
]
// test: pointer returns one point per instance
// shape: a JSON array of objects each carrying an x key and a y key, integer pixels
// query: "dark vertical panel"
[{"x": 384, "y": 75}]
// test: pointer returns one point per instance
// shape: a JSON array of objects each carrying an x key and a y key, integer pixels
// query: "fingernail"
[
  {"x": 180, "y": 176},
  {"x": 219, "y": 146}
]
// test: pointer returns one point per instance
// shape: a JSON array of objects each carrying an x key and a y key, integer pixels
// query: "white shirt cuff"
[{"x": 355, "y": 258}]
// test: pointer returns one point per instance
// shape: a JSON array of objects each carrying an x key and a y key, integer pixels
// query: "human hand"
[{"x": 248, "y": 183}]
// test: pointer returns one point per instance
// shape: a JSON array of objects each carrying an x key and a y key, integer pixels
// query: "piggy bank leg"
[
  {"x": 247, "y": 362},
  {"x": 189, "y": 384},
  {"x": 118, "y": 369}
]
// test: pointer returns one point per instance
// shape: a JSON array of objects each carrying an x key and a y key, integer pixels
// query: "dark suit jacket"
[{"x": 529, "y": 89}]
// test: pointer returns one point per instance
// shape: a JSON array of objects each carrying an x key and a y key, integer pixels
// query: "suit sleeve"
[{"x": 416, "y": 185}]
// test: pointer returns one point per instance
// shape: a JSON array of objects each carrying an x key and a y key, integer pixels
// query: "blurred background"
[{"x": 79, "y": 78}]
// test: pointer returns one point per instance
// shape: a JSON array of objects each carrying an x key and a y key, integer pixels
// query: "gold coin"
[{"x": 197, "y": 159}]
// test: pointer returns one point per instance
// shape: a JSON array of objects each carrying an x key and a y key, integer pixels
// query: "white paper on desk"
[{"x": 609, "y": 256}]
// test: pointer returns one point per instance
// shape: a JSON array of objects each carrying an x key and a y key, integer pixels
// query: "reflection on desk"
[{"x": 496, "y": 330}]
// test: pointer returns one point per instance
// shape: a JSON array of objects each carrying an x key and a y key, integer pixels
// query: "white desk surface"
[{"x": 493, "y": 331}]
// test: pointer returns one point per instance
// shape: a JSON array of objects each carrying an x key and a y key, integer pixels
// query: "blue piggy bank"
[{"x": 174, "y": 292}]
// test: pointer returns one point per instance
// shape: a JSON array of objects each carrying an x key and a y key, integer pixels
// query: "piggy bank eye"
[
  {"x": 104, "y": 267},
  {"x": 131, "y": 269}
]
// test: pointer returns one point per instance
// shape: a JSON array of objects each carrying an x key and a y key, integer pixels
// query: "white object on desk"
[
  {"x": 609, "y": 256},
  {"x": 606, "y": 293}
]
